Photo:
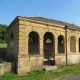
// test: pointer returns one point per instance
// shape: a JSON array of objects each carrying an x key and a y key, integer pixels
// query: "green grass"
[
  {"x": 3, "y": 48},
  {"x": 3, "y": 45},
  {"x": 42, "y": 75}
]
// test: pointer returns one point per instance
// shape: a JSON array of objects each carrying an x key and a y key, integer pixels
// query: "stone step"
[{"x": 49, "y": 68}]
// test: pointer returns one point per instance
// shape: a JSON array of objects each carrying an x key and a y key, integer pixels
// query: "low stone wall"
[
  {"x": 5, "y": 67},
  {"x": 29, "y": 64},
  {"x": 73, "y": 59}
]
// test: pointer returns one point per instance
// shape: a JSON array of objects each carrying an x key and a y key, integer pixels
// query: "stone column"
[
  {"x": 77, "y": 50},
  {"x": 56, "y": 49},
  {"x": 56, "y": 45},
  {"x": 41, "y": 47},
  {"x": 41, "y": 51},
  {"x": 23, "y": 58},
  {"x": 68, "y": 45},
  {"x": 23, "y": 41},
  {"x": 77, "y": 46}
]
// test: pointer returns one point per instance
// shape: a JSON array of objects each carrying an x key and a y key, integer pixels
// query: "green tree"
[{"x": 3, "y": 33}]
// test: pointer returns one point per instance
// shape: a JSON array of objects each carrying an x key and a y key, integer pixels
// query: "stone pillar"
[
  {"x": 56, "y": 45},
  {"x": 56, "y": 49},
  {"x": 41, "y": 57},
  {"x": 23, "y": 40},
  {"x": 77, "y": 51},
  {"x": 68, "y": 45},
  {"x": 23, "y": 57},
  {"x": 41, "y": 47},
  {"x": 77, "y": 46}
]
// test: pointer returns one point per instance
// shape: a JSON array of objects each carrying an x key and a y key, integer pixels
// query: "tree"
[{"x": 3, "y": 33}]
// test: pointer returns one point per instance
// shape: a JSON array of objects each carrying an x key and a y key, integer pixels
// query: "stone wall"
[
  {"x": 5, "y": 67},
  {"x": 29, "y": 63},
  {"x": 12, "y": 46}
]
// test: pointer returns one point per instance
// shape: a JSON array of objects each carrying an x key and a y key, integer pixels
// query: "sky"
[{"x": 63, "y": 10}]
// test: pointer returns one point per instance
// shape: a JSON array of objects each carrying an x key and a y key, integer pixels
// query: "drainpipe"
[{"x": 66, "y": 43}]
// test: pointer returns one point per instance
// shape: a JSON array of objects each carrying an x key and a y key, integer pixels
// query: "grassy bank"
[{"x": 42, "y": 75}]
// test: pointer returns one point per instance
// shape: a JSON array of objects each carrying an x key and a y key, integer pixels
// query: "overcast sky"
[{"x": 63, "y": 10}]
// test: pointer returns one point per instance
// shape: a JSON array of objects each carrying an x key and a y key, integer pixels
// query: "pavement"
[{"x": 75, "y": 76}]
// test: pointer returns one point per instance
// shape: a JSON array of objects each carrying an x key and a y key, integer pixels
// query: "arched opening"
[
  {"x": 33, "y": 43},
  {"x": 79, "y": 44},
  {"x": 49, "y": 49},
  {"x": 72, "y": 44},
  {"x": 60, "y": 44}
]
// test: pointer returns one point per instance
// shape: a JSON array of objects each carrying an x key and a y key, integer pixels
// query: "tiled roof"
[{"x": 72, "y": 26}]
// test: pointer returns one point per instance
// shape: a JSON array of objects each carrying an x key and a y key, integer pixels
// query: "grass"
[
  {"x": 3, "y": 48},
  {"x": 3, "y": 45},
  {"x": 42, "y": 75}
]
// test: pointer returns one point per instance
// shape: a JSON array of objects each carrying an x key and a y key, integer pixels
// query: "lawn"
[
  {"x": 3, "y": 48},
  {"x": 3, "y": 45},
  {"x": 42, "y": 75}
]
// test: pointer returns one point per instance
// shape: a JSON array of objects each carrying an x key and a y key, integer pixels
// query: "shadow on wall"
[
  {"x": 3, "y": 52},
  {"x": 7, "y": 64}
]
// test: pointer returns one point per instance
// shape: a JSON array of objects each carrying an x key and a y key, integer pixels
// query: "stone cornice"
[
  {"x": 13, "y": 22},
  {"x": 19, "y": 18},
  {"x": 40, "y": 22}
]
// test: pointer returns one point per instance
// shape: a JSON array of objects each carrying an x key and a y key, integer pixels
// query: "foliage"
[
  {"x": 3, "y": 33},
  {"x": 42, "y": 75}
]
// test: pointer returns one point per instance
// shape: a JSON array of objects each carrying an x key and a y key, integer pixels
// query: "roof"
[
  {"x": 47, "y": 20},
  {"x": 42, "y": 19}
]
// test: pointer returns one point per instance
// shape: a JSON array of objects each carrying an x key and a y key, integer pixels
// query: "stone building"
[{"x": 34, "y": 42}]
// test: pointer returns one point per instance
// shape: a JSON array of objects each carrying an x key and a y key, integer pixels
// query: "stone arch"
[
  {"x": 72, "y": 44},
  {"x": 74, "y": 36},
  {"x": 79, "y": 44},
  {"x": 61, "y": 44},
  {"x": 49, "y": 47},
  {"x": 33, "y": 43}
]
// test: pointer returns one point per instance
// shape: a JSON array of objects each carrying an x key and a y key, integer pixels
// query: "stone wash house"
[{"x": 34, "y": 42}]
